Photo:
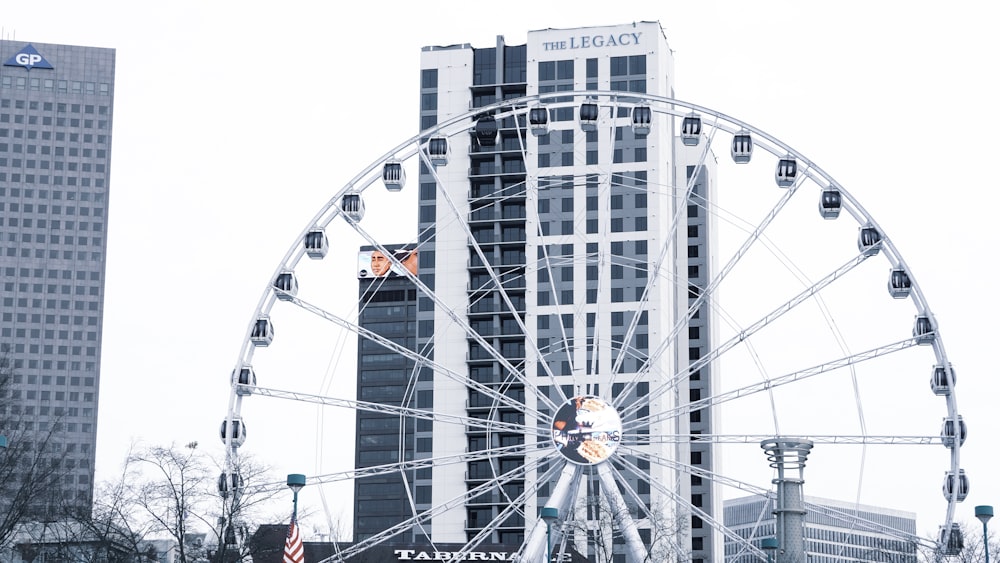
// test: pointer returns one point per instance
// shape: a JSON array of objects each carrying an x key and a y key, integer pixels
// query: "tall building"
[
  {"x": 56, "y": 108},
  {"x": 565, "y": 232},
  {"x": 388, "y": 308},
  {"x": 835, "y": 531}
]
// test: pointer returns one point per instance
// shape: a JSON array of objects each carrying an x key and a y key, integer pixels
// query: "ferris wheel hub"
[{"x": 586, "y": 430}]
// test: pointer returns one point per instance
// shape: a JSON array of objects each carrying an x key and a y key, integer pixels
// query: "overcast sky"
[{"x": 235, "y": 120}]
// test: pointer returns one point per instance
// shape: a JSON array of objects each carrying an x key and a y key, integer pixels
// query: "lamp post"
[
  {"x": 550, "y": 515},
  {"x": 770, "y": 545},
  {"x": 984, "y": 513},
  {"x": 295, "y": 482}
]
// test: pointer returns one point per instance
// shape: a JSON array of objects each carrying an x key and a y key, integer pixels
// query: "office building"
[
  {"x": 56, "y": 108},
  {"x": 387, "y": 307},
  {"x": 566, "y": 223},
  {"x": 835, "y": 531}
]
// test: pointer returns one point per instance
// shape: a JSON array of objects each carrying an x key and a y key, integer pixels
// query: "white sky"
[{"x": 235, "y": 120}]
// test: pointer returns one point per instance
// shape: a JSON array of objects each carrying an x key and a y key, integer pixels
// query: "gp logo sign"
[{"x": 29, "y": 58}]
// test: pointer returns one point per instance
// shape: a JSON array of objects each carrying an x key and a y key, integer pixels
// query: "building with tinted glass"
[
  {"x": 581, "y": 214},
  {"x": 56, "y": 108},
  {"x": 835, "y": 531}
]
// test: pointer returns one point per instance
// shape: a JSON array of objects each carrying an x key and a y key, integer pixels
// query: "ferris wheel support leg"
[
  {"x": 789, "y": 455},
  {"x": 561, "y": 499},
  {"x": 634, "y": 549}
]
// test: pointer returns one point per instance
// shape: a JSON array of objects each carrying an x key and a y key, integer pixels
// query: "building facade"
[
  {"x": 547, "y": 213},
  {"x": 56, "y": 108},
  {"x": 834, "y": 532}
]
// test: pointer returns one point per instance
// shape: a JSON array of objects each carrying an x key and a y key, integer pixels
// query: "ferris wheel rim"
[{"x": 458, "y": 125}]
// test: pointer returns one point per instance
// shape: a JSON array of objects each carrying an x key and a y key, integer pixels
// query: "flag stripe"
[{"x": 294, "y": 552}]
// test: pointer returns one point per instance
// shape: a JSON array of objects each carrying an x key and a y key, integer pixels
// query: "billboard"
[{"x": 375, "y": 264}]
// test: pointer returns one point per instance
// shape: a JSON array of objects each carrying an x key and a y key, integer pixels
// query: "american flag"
[{"x": 294, "y": 552}]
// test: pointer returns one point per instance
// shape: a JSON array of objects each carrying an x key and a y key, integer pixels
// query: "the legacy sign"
[{"x": 588, "y": 41}]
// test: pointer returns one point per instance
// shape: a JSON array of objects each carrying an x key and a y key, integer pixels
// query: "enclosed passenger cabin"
[
  {"x": 642, "y": 119},
  {"x": 316, "y": 244},
  {"x": 588, "y": 116},
  {"x": 538, "y": 120},
  {"x": 952, "y": 485},
  {"x": 950, "y": 540},
  {"x": 262, "y": 333},
  {"x": 830, "y": 203},
  {"x": 691, "y": 130},
  {"x": 353, "y": 206},
  {"x": 244, "y": 376},
  {"x": 230, "y": 483},
  {"x": 286, "y": 286},
  {"x": 899, "y": 283},
  {"x": 869, "y": 240},
  {"x": 786, "y": 171},
  {"x": 486, "y": 131},
  {"x": 237, "y": 431},
  {"x": 437, "y": 150},
  {"x": 393, "y": 175},
  {"x": 742, "y": 147},
  {"x": 950, "y": 432},
  {"x": 923, "y": 329},
  {"x": 940, "y": 383}
]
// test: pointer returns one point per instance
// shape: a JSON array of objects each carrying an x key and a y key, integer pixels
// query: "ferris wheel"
[{"x": 543, "y": 326}]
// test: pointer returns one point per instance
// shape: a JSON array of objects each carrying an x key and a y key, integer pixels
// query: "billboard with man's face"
[{"x": 375, "y": 264}]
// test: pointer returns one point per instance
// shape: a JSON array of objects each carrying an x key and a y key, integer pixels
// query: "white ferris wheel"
[{"x": 765, "y": 313}]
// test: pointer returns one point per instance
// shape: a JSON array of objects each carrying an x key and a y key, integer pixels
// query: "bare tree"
[
  {"x": 172, "y": 496},
  {"x": 972, "y": 551},
  {"x": 239, "y": 505},
  {"x": 31, "y": 473},
  {"x": 594, "y": 519}
]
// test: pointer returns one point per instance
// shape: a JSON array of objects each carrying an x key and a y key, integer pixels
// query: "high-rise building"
[
  {"x": 56, "y": 108},
  {"x": 835, "y": 531},
  {"x": 565, "y": 232}
]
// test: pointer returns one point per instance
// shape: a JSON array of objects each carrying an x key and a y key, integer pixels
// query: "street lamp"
[
  {"x": 984, "y": 513},
  {"x": 770, "y": 545},
  {"x": 550, "y": 515},
  {"x": 295, "y": 482}
]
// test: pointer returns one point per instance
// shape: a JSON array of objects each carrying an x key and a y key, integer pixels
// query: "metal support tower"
[{"x": 788, "y": 456}]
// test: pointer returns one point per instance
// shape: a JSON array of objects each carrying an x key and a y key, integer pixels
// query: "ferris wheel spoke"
[
  {"x": 858, "y": 439},
  {"x": 669, "y": 240},
  {"x": 724, "y": 271},
  {"x": 414, "y": 413},
  {"x": 778, "y": 381},
  {"x": 514, "y": 371},
  {"x": 695, "y": 510},
  {"x": 417, "y": 358},
  {"x": 427, "y": 515},
  {"x": 514, "y": 507},
  {"x": 745, "y": 334}
]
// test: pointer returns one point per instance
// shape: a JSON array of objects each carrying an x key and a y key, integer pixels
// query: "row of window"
[
  {"x": 48, "y": 121},
  {"x": 67, "y": 240},
  {"x": 58, "y": 380},
  {"x": 64, "y": 336},
  {"x": 56, "y": 180},
  {"x": 51, "y": 274},
  {"x": 32, "y": 164},
  {"x": 50, "y": 84},
  {"x": 52, "y": 289},
  {"x": 60, "y": 107},
  {"x": 21, "y": 348},
  {"x": 29, "y": 193},
  {"x": 59, "y": 136},
  {"x": 33, "y": 395},
  {"x": 40, "y": 253}
]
